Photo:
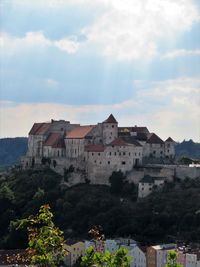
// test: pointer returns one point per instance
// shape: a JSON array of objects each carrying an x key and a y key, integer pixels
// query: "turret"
[{"x": 110, "y": 129}]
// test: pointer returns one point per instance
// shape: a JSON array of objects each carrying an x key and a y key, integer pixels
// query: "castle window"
[
  {"x": 113, "y": 126},
  {"x": 168, "y": 150},
  {"x": 95, "y": 161},
  {"x": 119, "y": 153},
  {"x": 100, "y": 162},
  {"x": 161, "y": 152},
  {"x": 111, "y": 133},
  {"x": 115, "y": 153},
  {"x": 58, "y": 153},
  {"x": 123, "y": 162},
  {"x": 92, "y": 154},
  {"x": 154, "y": 152},
  {"x": 98, "y": 154},
  {"x": 124, "y": 153},
  {"x": 110, "y": 153},
  {"x": 108, "y": 162},
  {"x": 129, "y": 153},
  {"x": 168, "y": 145}
]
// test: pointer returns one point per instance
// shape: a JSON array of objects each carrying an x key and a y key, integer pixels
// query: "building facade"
[{"x": 95, "y": 149}]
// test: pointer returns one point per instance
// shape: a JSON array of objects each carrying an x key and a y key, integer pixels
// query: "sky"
[{"x": 81, "y": 60}]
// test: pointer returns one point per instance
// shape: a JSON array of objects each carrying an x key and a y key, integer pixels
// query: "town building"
[
  {"x": 75, "y": 250},
  {"x": 157, "y": 255},
  {"x": 148, "y": 184},
  {"x": 138, "y": 256}
]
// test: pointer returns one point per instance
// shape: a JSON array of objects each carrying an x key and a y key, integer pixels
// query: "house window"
[
  {"x": 115, "y": 153},
  {"x": 123, "y": 162}
]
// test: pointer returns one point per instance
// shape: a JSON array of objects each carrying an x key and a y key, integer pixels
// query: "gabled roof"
[
  {"x": 110, "y": 119},
  {"x": 59, "y": 143},
  {"x": 169, "y": 139},
  {"x": 94, "y": 148},
  {"x": 79, "y": 132},
  {"x": 118, "y": 142},
  {"x": 52, "y": 139},
  {"x": 39, "y": 128},
  {"x": 154, "y": 139},
  {"x": 131, "y": 140}
]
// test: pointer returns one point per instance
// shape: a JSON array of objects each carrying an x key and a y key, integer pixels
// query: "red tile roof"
[
  {"x": 169, "y": 139},
  {"x": 52, "y": 139},
  {"x": 94, "y": 148},
  {"x": 59, "y": 143},
  {"x": 154, "y": 139},
  {"x": 118, "y": 142},
  {"x": 80, "y": 132},
  {"x": 39, "y": 128},
  {"x": 110, "y": 119}
]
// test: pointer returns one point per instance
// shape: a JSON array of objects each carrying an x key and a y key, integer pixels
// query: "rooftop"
[{"x": 80, "y": 132}]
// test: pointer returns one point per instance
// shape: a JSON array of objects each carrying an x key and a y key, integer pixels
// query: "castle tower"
[{"x": 110, "y": 129}]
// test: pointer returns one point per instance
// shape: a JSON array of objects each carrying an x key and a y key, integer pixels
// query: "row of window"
[{"x": 119, "y": 153}]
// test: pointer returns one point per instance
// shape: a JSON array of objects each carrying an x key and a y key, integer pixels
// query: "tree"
[
  {"x": 117, "y": 182},
  {"x": 94, "y": 256},
  {"x": 107, "y": 259},
  {"x": 172, "y": 259},
  {"x": 45, "y": 240}
]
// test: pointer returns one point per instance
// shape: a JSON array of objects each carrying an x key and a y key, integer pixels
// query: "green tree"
[
  {"x": 45, "y": 240},
  {"x": 107, "y": 259},
  {"x": 117, "y": 180},
  {"x": 172, "y": 259}
]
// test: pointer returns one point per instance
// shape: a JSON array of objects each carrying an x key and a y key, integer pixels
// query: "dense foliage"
[
  {"x": 107, "y": 259},
  {"x": 11, "y": 150},
  {"x": 46, "y": 246},
  {"x": 173, "y": 213},
  {"x": 172, "y": 259}
]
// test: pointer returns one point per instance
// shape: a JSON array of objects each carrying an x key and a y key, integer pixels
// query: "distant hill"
[
  {"x": 188, "y": 149},
  {"x": 11, "y": 149}
]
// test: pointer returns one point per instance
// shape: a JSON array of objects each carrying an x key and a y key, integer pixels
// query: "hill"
[
  {"x": 188, "y": 149},
  {"x": 11, "y": 150},
  {"x": 173, "y": 213}
]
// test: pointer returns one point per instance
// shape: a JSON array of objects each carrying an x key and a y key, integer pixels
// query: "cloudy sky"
[{"x": 81, "y": 60}]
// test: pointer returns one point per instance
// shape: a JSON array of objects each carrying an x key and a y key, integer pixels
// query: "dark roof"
[
  {"x": 147, "y": 179},
  {"x": 141, "y": 129},
  {"x": 59, "y": 143},
  {"x": 131, "y": 140},
  {"x": 169, "y": 139},
  {"x": 110, "y": 119},
  {"x": 151, "y": 179},
  {"x": 141, "y": 136},
  {"x": 154, "y": 139},
  {"x": 39, "y": 128},
  {"x": 52, "y": 139},
  {"x": 118, "y": 142}
]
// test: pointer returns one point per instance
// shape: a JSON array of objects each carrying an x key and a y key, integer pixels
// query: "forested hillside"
[
  {"x": 173, "y": 213},
  {"x": 188, "y": 149},
  {"x": 11, "y": 149}
]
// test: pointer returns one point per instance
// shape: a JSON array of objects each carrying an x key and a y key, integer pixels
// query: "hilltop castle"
[{"x": 97, "y": 149}]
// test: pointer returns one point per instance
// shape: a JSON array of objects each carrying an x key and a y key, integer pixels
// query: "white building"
[
  {"x": 138, "y": 255},
  {"x": 148, "y": 184}
]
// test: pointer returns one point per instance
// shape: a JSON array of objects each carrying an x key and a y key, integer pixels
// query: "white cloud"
[
  {"x": 181, "y": 53},
  {"x": 11, "y": 44},
  {"x": 169, "y": 108},
  {"x": 131, "y": 29}
]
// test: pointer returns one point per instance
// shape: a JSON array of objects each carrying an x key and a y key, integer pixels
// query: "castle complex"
[{"x": 95, "y": 149}]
